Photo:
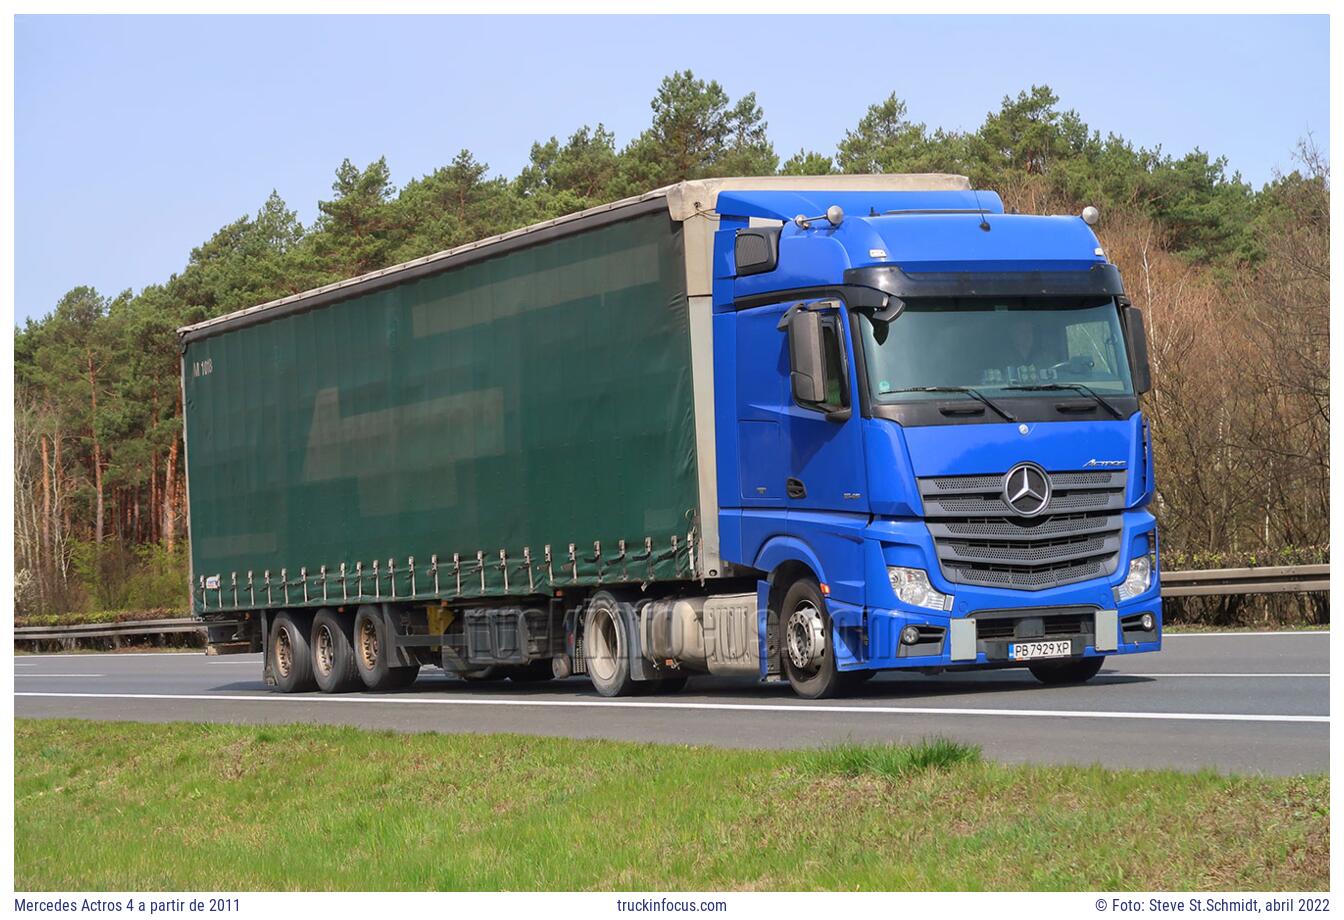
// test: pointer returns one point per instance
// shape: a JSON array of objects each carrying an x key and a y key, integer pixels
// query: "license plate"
[{"x": 1024, "y": 651}]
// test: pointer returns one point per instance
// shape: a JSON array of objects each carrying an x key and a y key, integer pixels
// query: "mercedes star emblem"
[{"x": 1026, "y": 489}]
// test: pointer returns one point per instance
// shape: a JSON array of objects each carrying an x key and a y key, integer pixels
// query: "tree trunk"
[
  {"x": 97, "y": 454},
  {"x": 169, "y": 480},
  {"x": 44, "y": 551},
  {"x": 152, "y": 515}
]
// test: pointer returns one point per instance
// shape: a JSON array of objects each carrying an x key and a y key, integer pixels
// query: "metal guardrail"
[
  {"x": 110, "y": 630},
  {"x": 1269, "y": 579},
  {"x": 1196, "y": 583}
]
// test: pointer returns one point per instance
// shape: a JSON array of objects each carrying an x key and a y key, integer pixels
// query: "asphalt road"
[{"x": 1255, "y": 703}]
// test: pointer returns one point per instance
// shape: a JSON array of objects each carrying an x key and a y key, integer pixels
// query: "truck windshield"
[{"x": 1014, "y": 347}]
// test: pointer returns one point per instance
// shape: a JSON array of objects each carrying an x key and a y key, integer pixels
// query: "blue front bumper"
[{"x": 880, "y": 645}]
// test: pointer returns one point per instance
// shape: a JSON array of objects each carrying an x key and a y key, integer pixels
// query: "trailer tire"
[
  {"x": 805, "y": 625},
  {"x": 373, "y": 653},
  {"x": 1076, "y": 671},
  {"x": 288, "y": 655},
  {"x": 606, "y": 645},
  {"x": 333, "y": 653}
]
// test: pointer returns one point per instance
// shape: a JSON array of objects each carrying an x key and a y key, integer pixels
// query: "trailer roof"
[{"x": 682, "y": 201}]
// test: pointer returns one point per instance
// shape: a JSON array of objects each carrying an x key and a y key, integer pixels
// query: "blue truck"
[{"x": 780, "y": 428}]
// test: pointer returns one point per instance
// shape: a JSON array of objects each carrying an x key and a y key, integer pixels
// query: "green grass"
[
  {"x": 889, "y": 761},
  {"x": 118, "y": 806}
]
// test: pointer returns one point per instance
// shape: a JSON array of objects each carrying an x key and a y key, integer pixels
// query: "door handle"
[{"x": 795, "y": 488}]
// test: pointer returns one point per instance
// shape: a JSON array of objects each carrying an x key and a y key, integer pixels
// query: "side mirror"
[
  {"x": 807, "y": 361},
  {"x": 1137, "y": 339}
]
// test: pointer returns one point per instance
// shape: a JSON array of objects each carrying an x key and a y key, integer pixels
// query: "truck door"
[{"x": 823, "y": 446}]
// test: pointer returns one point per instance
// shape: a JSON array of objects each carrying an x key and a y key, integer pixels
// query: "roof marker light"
[{"x": 1091, "y": 215}]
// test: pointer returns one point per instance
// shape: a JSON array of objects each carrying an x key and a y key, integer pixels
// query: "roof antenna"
[{"x": 984, "y": 224}]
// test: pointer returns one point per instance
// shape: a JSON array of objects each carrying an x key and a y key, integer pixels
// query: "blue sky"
[{"x": 136, "y": 137}]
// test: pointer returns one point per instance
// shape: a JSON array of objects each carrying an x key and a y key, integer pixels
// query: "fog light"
[
  {"x": 912, "y": 587},
  {"x": 910, "y": 635},
  {"x": 1147, "y": 622}
]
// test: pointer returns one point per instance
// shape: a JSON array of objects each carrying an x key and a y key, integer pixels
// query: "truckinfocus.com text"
[{"x": 658, "y": 905}]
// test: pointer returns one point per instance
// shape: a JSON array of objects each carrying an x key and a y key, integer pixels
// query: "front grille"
[{"x": 980, "y": 541}]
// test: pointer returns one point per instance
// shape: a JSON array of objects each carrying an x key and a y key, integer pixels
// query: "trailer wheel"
[
  {"x": 809, "y": 661},
  {"x": 373, "y": 653},
  {"x": 1076, "y": 671},
  {"x": 333, "y": 653},
  {"x": 287, "y": 649},
  {"x": 606, "y": 645}
]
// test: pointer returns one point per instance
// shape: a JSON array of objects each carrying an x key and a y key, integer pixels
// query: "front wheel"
[
  {"x": 1074, "y": 671},
  {"x": 809, "y": 661}
]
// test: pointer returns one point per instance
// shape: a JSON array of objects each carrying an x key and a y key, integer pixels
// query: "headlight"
[
  {"x": 1138, "y": 580},
  {"x": 912, "y": 587}
]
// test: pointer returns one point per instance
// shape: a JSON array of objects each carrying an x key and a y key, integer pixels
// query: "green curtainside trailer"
[{"x": 517, "y": 421}]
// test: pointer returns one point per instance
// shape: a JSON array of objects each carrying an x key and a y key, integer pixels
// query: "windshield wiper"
[
  {"x": 1072, "y": 386},
  {"x": 969, "y": 391}
]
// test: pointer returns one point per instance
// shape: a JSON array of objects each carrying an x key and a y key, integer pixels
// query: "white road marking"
[
  {"x": 1203, "y": 674},
  {"x": 55, "y": 676},
  {"x": 722, "y": 707},
  {"x": 1220, "y": 635}
]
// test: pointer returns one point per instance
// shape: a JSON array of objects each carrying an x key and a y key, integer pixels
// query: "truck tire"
[
  {"x": 809, "y": 662},
  {"x": 606, "y": 645},
  {"x": 333, "y": 654},
  {"x": 1074, "y": 671},
  {"x": 288, "y": 655},
  {"x": 373, "y": 653}
]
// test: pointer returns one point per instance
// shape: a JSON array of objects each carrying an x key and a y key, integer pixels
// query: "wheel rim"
[
  {"x": 325, "y": 647},
  {"x": 806, "y": 638},
  {"x": 284, "y": 651},
  {"x": 603, "y": 644},
  {"x": 368, "y": 644}
]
